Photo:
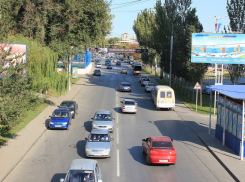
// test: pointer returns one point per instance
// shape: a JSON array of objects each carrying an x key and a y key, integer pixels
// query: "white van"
[{"x": 163, "y": 97}]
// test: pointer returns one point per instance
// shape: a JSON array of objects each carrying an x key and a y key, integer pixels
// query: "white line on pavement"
[
  {"x": 117, "y": 136},
  {"x": 118, "y": 164}
]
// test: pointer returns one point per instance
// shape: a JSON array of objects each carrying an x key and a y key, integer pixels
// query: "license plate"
[
  {"x": 58, "y": 126},
  {"x": 163, "y": 160}
]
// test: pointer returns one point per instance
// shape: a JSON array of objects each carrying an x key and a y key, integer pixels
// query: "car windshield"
[
  {"x": 67, "y": 104},
  {"x": 99, "y": 138},
  {"x": 80, "y": 175},
  {"x": 125, "y": 84},
  {"x": 150, "y": 84},
  {"x": 96, "y": 71},
  {"x": 103, "y": 117},
  {"x": 129, "y": 103},
  {"x": 60, "y": 114},
  {"x": 162, "y": 144}
]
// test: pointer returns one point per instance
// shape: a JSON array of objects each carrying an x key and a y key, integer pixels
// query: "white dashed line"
[
  {"x": 117, "y": 136},
  {"x": 118, "y": 164}
]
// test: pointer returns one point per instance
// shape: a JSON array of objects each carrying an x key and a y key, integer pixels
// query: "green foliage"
[
  {"x": 235, "y": 10},
  {"x": 42, "y": 66},
  {"x": 113, "y": 40}
]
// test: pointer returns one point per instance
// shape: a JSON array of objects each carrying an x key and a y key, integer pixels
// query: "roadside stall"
[{"x": 230, "y": 116}]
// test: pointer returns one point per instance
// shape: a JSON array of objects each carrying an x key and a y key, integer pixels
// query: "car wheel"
[
  {"x": 157, "y": 108},
  {"x": 67, "y": 127},
  {"x": 74, "y": 116},
  {"x": 111, "y": 131},
  {"x": 126, "y": 73},
  {"x": 143, "y": 150},
  {"x": 130, "y": 91},
  {"x": 147, "y": 160}
]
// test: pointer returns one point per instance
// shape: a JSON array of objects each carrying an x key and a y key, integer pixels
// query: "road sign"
[{"x": 197, "y": 86}]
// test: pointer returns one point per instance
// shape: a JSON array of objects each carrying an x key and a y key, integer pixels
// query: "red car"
[{"x": 159, "y": 150}]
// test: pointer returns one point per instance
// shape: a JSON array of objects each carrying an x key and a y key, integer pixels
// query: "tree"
[
  {"x": 236, "y": 71},
  {"x": 235, "y": 10},
  {"x": 113, "y": 40}
]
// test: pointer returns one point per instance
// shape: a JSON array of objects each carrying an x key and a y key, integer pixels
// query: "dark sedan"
[
  {"x": 118, "y": 63},
  {"x": 71, "y": 105},
  {"x": 97, "y": 73},
  {"x": 109, "y": 66},
  {"x": 125, "y": 86}
]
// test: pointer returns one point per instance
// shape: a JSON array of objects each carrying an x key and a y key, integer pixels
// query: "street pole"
[{"x": 170, "y": 64}]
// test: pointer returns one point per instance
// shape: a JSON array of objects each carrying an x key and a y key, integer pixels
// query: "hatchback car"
[
  {"x": 118, "y": 63},
  {"x": 124, "y": 71},
  {"x": 99, "y": 143},
  {"x": 60, "y": 118},
  {"x": 98, "y": 65},
  {"x": 83, "y": 170},
  {"x": 71, "y": 105},
  {"x": 97, "y": 73},
  {"x": 103, "y": 120},
  {"x": 129, "y": 105},
  {"x": 149, "y": 87},
  {"x": 125, "y": 86},
  {"x": 159, "y": 149},
  {"x": 141, "y": 77},
  {"x": 109, "y": 66}
]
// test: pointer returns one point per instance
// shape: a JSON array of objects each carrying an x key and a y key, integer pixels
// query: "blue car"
[
  {"x": 61, "y": 118},
  {"x": 207, "y": 91}
]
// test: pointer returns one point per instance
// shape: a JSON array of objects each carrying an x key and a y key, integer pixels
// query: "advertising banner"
[{"x": 218, "y": 48}]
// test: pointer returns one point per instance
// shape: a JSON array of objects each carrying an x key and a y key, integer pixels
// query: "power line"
[{"x": 133, "y": 3}]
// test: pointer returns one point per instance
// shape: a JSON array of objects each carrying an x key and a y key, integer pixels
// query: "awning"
[{"x": 233, "y": 91}]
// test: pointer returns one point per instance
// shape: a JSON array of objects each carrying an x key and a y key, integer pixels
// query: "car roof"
[
  {"x": 160, "y": 138},
  {"x": 62, "y": 110},
  {"x": 97, "y": 70},
  {"x": 128, "y": 100},
  {"x": 85, "y": 164},
  {"x": 103, "y": 112},
  {"x": 68, "y": 101},
  {"x": 99, "y": 131}
]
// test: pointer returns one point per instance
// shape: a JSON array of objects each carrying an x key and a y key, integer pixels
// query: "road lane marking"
[
  {"x": 117, "y": 136},
  {"x": 118, "y": 164}
]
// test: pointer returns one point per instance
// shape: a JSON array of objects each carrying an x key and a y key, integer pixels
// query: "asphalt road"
[{"x": 51, "y": 156}]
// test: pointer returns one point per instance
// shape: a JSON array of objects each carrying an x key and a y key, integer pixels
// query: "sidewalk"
[{"x": 15, "y": 149}]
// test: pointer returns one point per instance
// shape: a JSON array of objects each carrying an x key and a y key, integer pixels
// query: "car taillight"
[
  {"x": 149, "y": 81},
  {"x": 123, "y": 107},
  {"x": 153, "y": 152},
  {"x": 121, "y": 87},
  {"x": 173, "y": 152},
  {"x": 135, "y": 107},
  {"x": 129, "y": 87}
]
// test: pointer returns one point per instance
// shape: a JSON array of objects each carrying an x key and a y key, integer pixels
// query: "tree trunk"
[
  {"x": 185, "y": 87},
  {"x": 189, "y": 88}
]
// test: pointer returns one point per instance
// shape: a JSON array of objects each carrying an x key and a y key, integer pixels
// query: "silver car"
[
  {"x": 129, "y": 105},
  {"x": 83, "y": 170},
  {"x": 103, "y": 120},
  {"x": 149, "y": 87},
  {"x": 99, "y": 143}
]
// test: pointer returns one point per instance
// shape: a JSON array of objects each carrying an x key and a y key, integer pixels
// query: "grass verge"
[
  {"x": 189, "y": 102},
  {"x": 30, "y": 115}
]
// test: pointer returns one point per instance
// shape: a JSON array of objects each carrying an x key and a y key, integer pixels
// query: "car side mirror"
[
  {"x": 58, "y": 106},
  {"x": 172, "y": 140},
  {"x": 86, "y": 138},
  {"x": 143, "y": 140},
  {"x": 112, "y": 139},
  {"x": 62, "y": 180},
  {"x": 121, "y": 101},
  {"x": 50, "y": 116},
  {"x": 92, "y": 118}
]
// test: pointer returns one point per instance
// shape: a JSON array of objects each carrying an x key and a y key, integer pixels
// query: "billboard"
[{"x": 218, "y": 48}]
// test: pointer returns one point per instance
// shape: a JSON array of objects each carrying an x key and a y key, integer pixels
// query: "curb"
[
  {"x": 11, "y": 169},
  {"x": 218, "y": 159}
]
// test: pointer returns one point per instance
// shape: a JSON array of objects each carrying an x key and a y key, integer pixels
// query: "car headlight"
[
  {"x": 65, "y": 123},
  {"x": 107, "y": 150},
  {"x": 94, "y": 126},
  {"x": 51, "y": 123},
  {"x": 88, "y": 149},
  {"x": 72, "y": 112}
]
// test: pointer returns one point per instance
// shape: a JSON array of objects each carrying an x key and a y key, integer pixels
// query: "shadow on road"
[
  {"x": 88, "y": 126},
  {"x": 57, "y": 177}
]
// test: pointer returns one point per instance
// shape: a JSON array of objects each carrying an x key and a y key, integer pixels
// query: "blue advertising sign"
[{"x": 218, "y": 48}]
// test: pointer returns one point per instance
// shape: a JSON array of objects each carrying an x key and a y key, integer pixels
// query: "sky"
[{"x": 125, "y": 12}]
